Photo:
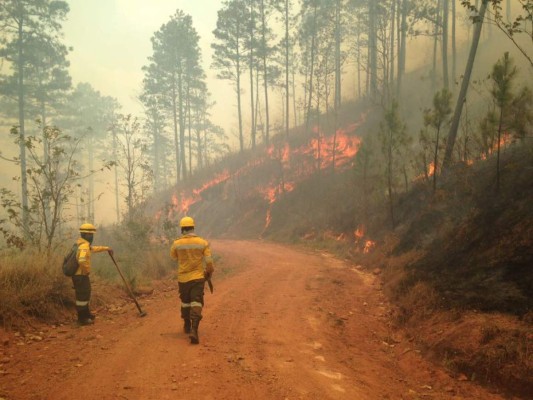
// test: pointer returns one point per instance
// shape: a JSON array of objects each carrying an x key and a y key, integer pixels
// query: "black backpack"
[{"x": 70, "y": 263}]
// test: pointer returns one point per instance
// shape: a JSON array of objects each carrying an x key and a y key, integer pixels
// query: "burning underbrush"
[{"x": 248, "y": 191}]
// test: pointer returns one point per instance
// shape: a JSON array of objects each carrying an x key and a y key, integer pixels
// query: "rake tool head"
[{"x": 142, "y": 314}]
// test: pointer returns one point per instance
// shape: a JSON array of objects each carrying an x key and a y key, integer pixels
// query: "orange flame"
[
  {"x": 369, "y": 245},
  {"x": 268, "y": 218},
  {"x": 359, "y": 234},
  {"x": 213, "y": 182},
  {"x": 181, "y": 203},
  {"x": 431, "y": 169},
  {"x": 342, "y": 147},
  {"x": 272, "y": 193}
]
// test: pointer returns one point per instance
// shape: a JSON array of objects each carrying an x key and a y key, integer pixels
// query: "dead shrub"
[{"x": 417, "y": 303}]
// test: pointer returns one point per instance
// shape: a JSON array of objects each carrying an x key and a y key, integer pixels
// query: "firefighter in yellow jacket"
[
  {"x": 195, "y": 266},
  {"x": 81, "y": 281}
]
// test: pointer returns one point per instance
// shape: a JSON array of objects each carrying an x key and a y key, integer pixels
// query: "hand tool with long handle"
[
  {"x": 141, "y": 312},
  {"x": 210, "y": 284}
]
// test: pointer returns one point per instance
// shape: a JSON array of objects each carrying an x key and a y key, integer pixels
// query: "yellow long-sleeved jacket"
[
  {"x": 193, "y": 256},
  {"x": 84, "y": 255}
]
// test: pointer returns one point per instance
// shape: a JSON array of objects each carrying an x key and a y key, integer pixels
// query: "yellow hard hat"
[
  {"x": 87, "y": 228},
  {"x": 187, "y": 222}
]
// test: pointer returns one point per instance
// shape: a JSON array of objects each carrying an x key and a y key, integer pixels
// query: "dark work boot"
[
  {"x": 187, "y": 325},
  {"x": 83, "y": 316},
  {"x": 186, "y": 315},
  {"x": 193, "y": 335}
]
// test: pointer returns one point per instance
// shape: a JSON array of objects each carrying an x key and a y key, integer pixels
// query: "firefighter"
[
  {"x": 195, "y": 266},
  {"x": 81, "y": 281}
]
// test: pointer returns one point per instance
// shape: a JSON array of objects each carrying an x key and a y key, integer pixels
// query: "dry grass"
[
  {"x": 490, "y": 348},
  {"x": 31, "y": 286}
]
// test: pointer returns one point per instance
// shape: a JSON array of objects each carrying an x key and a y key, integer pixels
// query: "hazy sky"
[{"x": 111, "y": 41}]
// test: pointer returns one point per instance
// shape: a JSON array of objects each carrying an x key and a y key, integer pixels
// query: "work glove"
[
  {"x": 110, "y": 251},
  {"x": 209, "y": 270}
]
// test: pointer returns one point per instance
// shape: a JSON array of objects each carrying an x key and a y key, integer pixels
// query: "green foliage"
[
  {"x": 53, "y": 174},
  {"x": 174, "y": 83},
  {"x": 503, "y": 74},
  {"x": 52, "y": 171}
]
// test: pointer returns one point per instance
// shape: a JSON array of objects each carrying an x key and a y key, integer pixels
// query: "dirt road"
[{"x": 283, "y": 323}]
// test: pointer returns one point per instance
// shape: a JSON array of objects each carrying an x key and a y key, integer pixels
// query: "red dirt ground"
[{"x": 283, "y": 323}]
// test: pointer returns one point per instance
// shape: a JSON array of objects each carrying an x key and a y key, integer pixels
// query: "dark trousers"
[
  {"x": 192, "y": 299},
  {"x": 82, "y": 289}
]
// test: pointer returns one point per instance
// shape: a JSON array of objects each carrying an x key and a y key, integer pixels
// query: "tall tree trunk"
[
  {"x": 239, "y": 110},
  {"x": 372, "y": 46},
  {"x": 389, "y": 185},
  {"x": 312, "y": 62},
  {"x": 199, "y": 149},
  {"x": 257, "y": 112},
  {"x": 436, "y": 33},
  {"x": 445, "y": 18},
  {"x": 157, "y": 150},
  {"x": 22, "y": 135},
  {"x": 454, "y": 42},
  {"x": 392, "y": 43},
  {"x": 358, "y": 64},
  {"x": 188, "y": 111},
  {"x": 464, "y": 88},
  {"x": 293, "y": 83},
  {"x": 287, "y": 67},
  {"x": 337, "y": 102},
  {"x": 337, "y": 54},
  {"x": 498, "y": 149},
  {"x": 318, "y": 130},
  {"x": 115, "y": 157},
  {"x": 175, "y": 124},
  {"x": 251, "y": 68},
  {"x": 402, "y": 46},
  {"x": 265, "y": 73},
  {"x": 91, "y": 215},
  {"x": 46, "y": 155},
  {"x": 181, "y": 116}
]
